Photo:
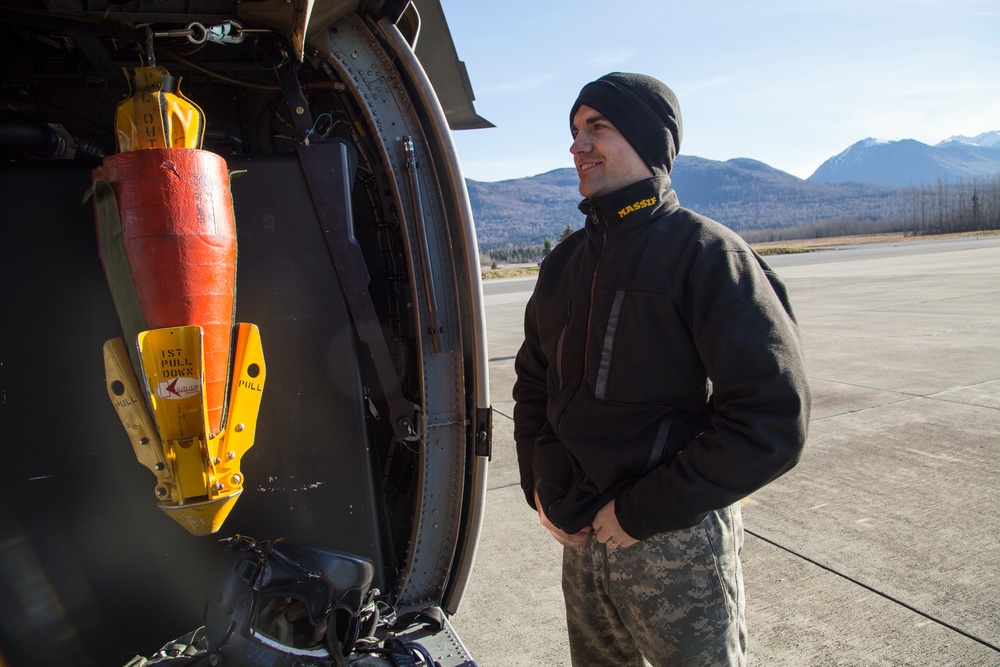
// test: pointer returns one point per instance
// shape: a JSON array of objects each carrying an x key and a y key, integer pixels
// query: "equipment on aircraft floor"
[
  {"x": 286, "y": 604},
  {"x": 347, "y": 241}
]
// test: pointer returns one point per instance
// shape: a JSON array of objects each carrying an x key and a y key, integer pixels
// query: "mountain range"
[
  {"x": 870, "y": 181},
  {"x": 910, "y": 162}
]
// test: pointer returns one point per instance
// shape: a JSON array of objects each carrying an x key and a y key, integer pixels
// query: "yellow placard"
[{"x": 174, "y": 371}]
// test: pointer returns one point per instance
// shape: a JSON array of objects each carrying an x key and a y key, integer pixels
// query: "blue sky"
[{"x": 790, "y": 83}]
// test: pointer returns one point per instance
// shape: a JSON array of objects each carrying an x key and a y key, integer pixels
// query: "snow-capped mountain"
[
  {"x": 988, "y": 139},
  {"x": 911, "y": 162},
  {"x": 868, "y": 182}
]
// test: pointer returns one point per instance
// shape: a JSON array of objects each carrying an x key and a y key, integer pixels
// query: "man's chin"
[{"x": 592, "y": 185}]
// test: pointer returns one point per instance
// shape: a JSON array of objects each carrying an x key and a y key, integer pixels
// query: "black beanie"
[{"x": 643, "y": 109}]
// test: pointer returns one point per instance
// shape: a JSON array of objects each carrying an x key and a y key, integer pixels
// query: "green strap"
[{"x": 116, "y": 268}]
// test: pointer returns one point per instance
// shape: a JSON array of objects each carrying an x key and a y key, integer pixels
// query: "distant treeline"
[
  {"x": 942, "y": 208},
  {"x": 823, "y": 229},
  {"x": 512, "y": 254},
  {"x": 968, "y": 206}
]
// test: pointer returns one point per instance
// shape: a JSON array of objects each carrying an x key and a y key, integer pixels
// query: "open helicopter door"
[{"x": 356, "y": 262}]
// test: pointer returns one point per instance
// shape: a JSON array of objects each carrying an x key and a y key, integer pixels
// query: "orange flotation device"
[{"x": 179, "y": 237}]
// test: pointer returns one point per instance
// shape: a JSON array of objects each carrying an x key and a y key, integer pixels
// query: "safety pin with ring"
[{"x": 227, "y": 32}]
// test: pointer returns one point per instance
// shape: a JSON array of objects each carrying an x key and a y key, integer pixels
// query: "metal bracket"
[
  {"x": 329, "y": 170},
  {"x": 297, "y": 104},
  {"x": 329, "y": 175},
  {"x": 484, "y": 432}
]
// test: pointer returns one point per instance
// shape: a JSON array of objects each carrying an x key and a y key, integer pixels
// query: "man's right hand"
[{"x": 563, "y": 538}]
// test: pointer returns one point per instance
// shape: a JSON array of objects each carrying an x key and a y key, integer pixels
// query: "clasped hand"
[{"x": 604, "y": 525}]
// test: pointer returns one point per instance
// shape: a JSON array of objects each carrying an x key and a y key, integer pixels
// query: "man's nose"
[{"x": 580, "y": 144}]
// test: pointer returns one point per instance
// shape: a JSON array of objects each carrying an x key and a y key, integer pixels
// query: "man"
[{"x": 660, "y": 381}]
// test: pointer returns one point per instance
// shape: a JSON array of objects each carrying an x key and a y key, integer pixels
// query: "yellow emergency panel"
[
  {"x": 198, "y": 476},
  {"x": 130, "y": 404},
  {"x": 172, "y": 363}
]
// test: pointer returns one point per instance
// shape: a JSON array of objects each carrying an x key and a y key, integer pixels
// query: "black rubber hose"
[{"x": 34, "y": 137}]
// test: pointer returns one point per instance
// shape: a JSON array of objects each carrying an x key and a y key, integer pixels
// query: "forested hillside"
[
  {"x": 746, "y": 194},
  {"x": 741, "y": 193},
  {"x": 525, "y": 211},
  {"x": 515, "y": 218}
]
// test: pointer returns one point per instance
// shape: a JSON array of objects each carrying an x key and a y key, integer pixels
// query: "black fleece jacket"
[{"x": 661, "y": 368}]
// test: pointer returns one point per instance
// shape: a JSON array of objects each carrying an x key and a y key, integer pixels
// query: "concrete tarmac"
[{"x": 882, "y": 547}]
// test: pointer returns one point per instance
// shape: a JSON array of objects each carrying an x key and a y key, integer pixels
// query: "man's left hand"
[{"x": 608, "y": 531}]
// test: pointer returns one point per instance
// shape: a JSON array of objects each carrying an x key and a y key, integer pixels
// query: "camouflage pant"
[{"x": 673, "y": 599}]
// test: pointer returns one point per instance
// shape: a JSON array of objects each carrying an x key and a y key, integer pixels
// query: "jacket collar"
[{"x": 630, "y": 206}]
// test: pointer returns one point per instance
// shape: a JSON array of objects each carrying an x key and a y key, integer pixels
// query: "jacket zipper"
[
  {"x": 590, "y": 310},
  {"x": 559, "y": 354},
  {"x": 593, "y": 289}
]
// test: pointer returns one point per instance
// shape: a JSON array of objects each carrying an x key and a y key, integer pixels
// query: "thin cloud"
[
  {"x": 691, "y": 87},
  {"x": 607, "y": 59},
  {"x": 518, "y": 85}
]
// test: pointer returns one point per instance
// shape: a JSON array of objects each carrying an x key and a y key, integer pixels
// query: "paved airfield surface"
[{"x": 883, "y": 546}]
